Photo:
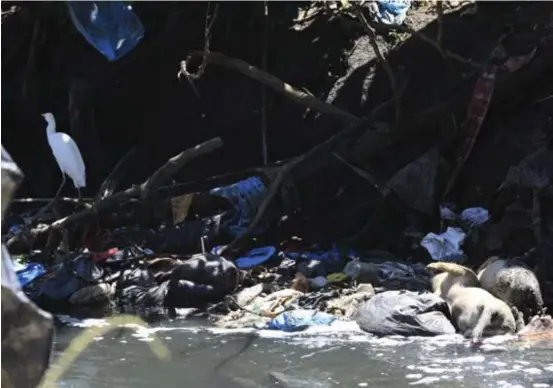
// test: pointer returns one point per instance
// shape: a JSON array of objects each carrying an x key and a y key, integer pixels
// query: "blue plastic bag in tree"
[{"x": 111, "y": 27}]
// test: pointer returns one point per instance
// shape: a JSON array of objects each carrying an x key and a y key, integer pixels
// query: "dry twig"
[
  {"x": 207, "y": 38},
  {"x": 320, "y": 149},
  {"x": 263, "y": 88},
  {"x": 439, "y": 38},
  {"x": 274, "y": 83}
]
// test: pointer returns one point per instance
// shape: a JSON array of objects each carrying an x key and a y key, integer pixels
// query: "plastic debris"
[
  {"x": 405, "y": 313},
  {"x": 390, "y": 11},
  {"x": 26, "y": 274},
  {"x": 245, "y": 196},
  {"x": 471, "y": 217},
  {"x": 475, "y": 216},
  {"x": 297, "y": 320},
  {"x": 331, "y": 255},
  {"x": 94, "y": 293},
  {"x": 318, "y": 282},
  {"x": 447, "y": 213},
  {"x": 249, "y": 294},
  {"x": 254, "y": 257},
  {"x": 336, "y": 277},
  {"x": 394, "y": 270},
  {"x": 445, "y": 246},
  {"x": 362, "y": 272},
  {"x": 69, "y": 277},
  {"x": 111, "y": 27}
]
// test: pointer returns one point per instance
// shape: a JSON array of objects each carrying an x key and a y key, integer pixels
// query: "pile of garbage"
[
  {"x": 290, "y": 285},
  {"x": 227, "y": 246}
]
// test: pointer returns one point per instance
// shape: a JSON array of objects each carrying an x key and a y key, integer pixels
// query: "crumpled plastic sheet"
[
  {"x": 296, "y": 320},
  {"x": 111, "y": 27},
  {"x": 472, "y": 216},
  {"x": 475, "y": 216},
  {"x": 445, "y": 246},
  {"x": 245, "y": 196},
  {"x": 405, "y": 313},
  {"x": 447, "y": 213},
  {"x": 355, "y": 267},
  {"x": 390, "y": 11},
  {"x": 391, "y": 270},
  {"x": 27, "y": 273},
  {"x": 319, "y": 263}
]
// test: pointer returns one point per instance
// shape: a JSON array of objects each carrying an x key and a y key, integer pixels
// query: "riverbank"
[{"x": 436, "y": 150}]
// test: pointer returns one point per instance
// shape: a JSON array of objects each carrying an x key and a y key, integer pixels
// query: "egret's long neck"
[{"x": 51, "y": 127}]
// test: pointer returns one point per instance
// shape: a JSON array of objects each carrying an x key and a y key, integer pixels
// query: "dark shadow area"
[
  {"x": 109, "y": 108},
  {"x": 139, "y": 100}
]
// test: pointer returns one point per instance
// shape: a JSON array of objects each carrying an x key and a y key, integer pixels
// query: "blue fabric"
[
  {"x": 297, "y": 320},
  {"x": 111, "y": 27},
  {"x": 255, "y": 257},
  {"x": 69, "y": 278},
  {"x": 245, "y": 196},
  {"x": 392, "y": 11},
  {"x": 27, "y": 273}
]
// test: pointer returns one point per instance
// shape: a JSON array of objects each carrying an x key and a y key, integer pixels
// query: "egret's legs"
[
  {"x": 49, "y": 205},
  {"x": 61, "y": 187},
  {"x": 79, "y": 193}
]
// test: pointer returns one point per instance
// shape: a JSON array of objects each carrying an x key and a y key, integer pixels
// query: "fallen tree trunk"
[{"x": 142, "y": 191}]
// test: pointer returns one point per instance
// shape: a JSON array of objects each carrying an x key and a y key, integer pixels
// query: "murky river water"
[{"x": 318, "y": 358}]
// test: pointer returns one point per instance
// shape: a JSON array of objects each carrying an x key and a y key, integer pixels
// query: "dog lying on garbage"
[
  {"x": 476, "y": 312},
  {"x": 514, "y": 283}
]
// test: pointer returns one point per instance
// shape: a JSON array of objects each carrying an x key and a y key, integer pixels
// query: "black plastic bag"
[
  {"x": 405, "y": 313},
  {"x": 70, "y": 277}
]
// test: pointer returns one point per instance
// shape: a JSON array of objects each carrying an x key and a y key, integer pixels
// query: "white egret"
[{"x": 67, "y": 155}]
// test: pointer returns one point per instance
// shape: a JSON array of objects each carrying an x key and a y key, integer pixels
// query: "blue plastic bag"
[
  {"x": 391, "y": 11},
  {"x": 255, "y": 257},
  {"x": 111, "y": 27},
  {"x": 29, "y": 272},
  {"x": 445, "y": 246},
  {"x": 69, "y": 277},
  {"x": 296, "y": 320},
  {"x": 245, "y": 196}
]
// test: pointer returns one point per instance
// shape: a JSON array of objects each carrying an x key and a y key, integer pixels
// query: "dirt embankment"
[{"x": 139, "y": 101}]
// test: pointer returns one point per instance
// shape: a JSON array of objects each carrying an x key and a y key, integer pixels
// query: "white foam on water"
[
  {"x": 426, "y": 380},
  {"x": 318, "y": 338},
  {"x": 434, "y": 370},
  {"x": 506, "y": 384},
  {"x": 83, "y": 323}
]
